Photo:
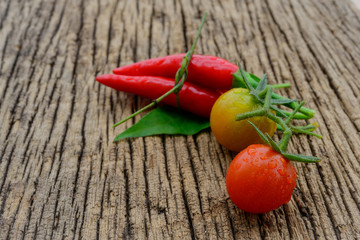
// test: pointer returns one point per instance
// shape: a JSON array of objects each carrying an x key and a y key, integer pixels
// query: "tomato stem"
[
  {"x": 308, "y": 132},
  {"x": 251, "y": 114},
  {"x": 267, "y": 103},
  {"x": 284, "y": 142},
  {"x": 283, "y": 123},
  {"x": 304, "y": 113},
  {"x": 291, "y": 116}
]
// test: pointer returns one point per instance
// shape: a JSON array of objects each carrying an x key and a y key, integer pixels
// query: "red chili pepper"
[
  {"x": 208, "y": 71},
  {"x": 192, "y": 98}
]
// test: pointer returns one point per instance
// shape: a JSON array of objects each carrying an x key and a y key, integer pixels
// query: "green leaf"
[
  {"x": 301, "y": 158},
  {"x": 166, "y": 120}
]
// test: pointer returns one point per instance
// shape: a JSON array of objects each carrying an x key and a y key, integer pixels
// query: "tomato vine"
[{"x": 283, "y": 120}]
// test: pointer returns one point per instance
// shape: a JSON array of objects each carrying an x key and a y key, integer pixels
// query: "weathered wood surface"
[{"x": 62, "y": 177}]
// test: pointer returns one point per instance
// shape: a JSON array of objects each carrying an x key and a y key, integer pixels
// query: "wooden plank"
[{"x": 62, "y": 177}]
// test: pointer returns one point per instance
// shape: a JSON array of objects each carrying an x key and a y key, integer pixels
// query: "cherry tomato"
[
  {"x": 260, "y": 180},
  {"x": 237, "y": 135}
]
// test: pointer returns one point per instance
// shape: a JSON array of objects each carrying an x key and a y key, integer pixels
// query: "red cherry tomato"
[{"x": 260, "y": 180}]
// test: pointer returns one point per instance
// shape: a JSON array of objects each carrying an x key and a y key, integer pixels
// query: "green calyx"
[
  {"x": 253, "y": 81},
  {"x": 264, "y": 94}
]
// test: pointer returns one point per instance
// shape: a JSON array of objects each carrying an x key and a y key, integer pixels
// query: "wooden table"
[{"x": 62, "y": 177}]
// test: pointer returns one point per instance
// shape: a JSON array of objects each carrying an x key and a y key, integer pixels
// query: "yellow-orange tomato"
[{"x": 237, "y": 135}]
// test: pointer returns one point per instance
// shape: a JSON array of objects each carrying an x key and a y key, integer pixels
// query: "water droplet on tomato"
[
  {"x": 272, "y": 164},
  {"x": 251, "y": 151},
  {"x": 289, "y": 180},
  {"x": 281, "y": 171}
]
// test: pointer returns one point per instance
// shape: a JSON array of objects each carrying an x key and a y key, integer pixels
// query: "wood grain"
[{"x": 61, "y": 177}]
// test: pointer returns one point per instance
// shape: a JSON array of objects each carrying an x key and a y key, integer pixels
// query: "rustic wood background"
[{"x": 62, "y": 177}]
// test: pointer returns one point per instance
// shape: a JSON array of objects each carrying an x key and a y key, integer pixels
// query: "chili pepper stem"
[
  {"x": 281, "y": 85},
  {"x": 180, "y": 77},
  {"x": 152, "y": 104},
  {"x": 135, "y": 114}
]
